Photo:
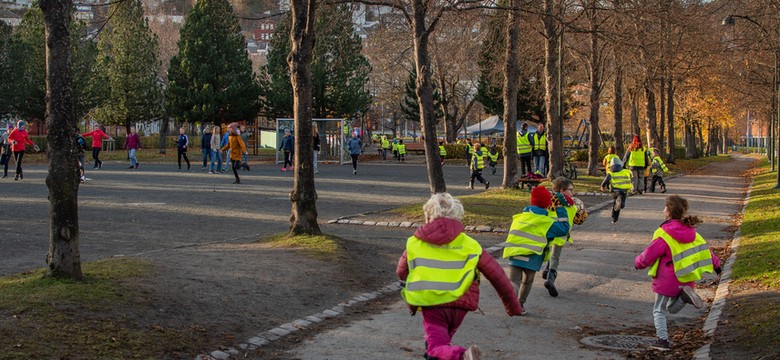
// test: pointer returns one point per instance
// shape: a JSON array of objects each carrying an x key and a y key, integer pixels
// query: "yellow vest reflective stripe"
[
  {"x": 385, "y": 144},
  {"x": 690, "y": 260},
  {"x": 637, "y": 157},
  {"x": 493, "y": 157},
  {"x": 608, "y": 160},
  {"x": 523, "y": 143},
  {"x": 621, "y": 179},
  {"x": 395, "y": 146},
  {"x": 469, "y": 149},
  {"x": 442, "y": 150},
  {"x": 401, "y": 149},
  {"x": 540, "y": 142},
  {"x": 439, "y": 274},
  {"x": 528, "y": 234},
  {"x": 661, "y": 163},
  {"x": 570, "y": 212},
  {"x": 477, "y": 160}
]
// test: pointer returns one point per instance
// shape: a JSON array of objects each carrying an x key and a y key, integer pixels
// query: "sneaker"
[
  {"x": 316, "y": 172},
  {"x": 179, "y": 169},
  {"x": 237, "y": 182},
  {"x": 83, "y": 179},
  {"x": 663, "y": 189},
  {"x": 689, "y": 296},
  {"x": 354, "y": 172},
  {"x": 487, "y": 185},
  {"x": 211, "y": 172},
  {"x": 660, "y": 344},
  {"x": 284, "y": 169},
  {"x": 188, "y": 167},
  {"x": 614, "y": 221},
  {"x": 137, "y": 165},
  {"x": 100, "y": 165},
  {"x": 5, "y": 176},
  {"x": 524, "y": 312},
  {"x": 472, "y": 353},
  {"x": 16, "y": 178},
  {"x": 470, "y": 187},
  {"x": 131, "y": 167},
  {"x": 618, "y": 203},
  {"x": 203, "y": 168}
]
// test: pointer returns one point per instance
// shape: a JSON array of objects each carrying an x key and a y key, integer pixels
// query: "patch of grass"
[
  {"x": 321, "y": 246},
  {"x": 98, "y": 317}
]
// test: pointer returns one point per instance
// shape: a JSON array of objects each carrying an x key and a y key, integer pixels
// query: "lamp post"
[{"x": 730, "y": 20}]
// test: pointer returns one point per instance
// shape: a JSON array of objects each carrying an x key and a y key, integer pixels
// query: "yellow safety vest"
[
  {"x": 478, "y": 160},
  {"x": 470, "y": 149},
  {"x": 540, "y": 142},
  {"x": 570, "y": 212},
  {"x": 401, "y": 149},
  {"x": 637, "y": 157},
  {"x": 661, "y": 162},
  {"x": 523, "y": 144},
  {"x": 442, "y": 151},
  {"x": 621, "y": 179},
  {"x": 527, "y": 234},
  {"x": 439, "y": 274},
  {"x": 690, "y": 260},
  {"x": 493, "y": 157},
  {"x": 395, "y": 147},
  {"x": 607, "y": 160},
  {"x": 385, "y": 144}
]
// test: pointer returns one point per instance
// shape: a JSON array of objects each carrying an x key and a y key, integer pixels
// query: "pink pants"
[{"x": 440, "y": 325}]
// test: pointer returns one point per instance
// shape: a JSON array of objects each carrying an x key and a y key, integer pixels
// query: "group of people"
[
  {"x": 441, "y": 266},
  {"x": 212, "y": 145}
]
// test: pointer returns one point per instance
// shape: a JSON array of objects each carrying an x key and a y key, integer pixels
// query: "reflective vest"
[
  {"x": 493, "y": 157},
  {"x": 637, "y": 157},
  {"x": 607, "y": 160},
  {"x": 690, "y": 260},
  {"x": 469, "y": 149},
  {"x": 395, "y": 146},
  {"x": 346, "y": 129},
  {"x": 439, "y": 274},
  {"x": 570, "y": 212},
  {"x": 528, "y": 234},
  {"x": 385, "y": 144},
  {"x": 621, "y": 179},
  {"x": 523, "y": 143},
  {"x": 661, "y": 163},
  {"x": 477, "y": 160},
  {"x": 540, "y": 142},
  {"x": 442, "y": 151},
  {"x": 401, "y": 149}
]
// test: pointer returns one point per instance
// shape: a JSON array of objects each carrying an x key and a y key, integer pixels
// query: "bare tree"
[{"x": 511, "y": 79}]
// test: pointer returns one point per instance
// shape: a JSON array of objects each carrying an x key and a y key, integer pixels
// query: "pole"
[{"x": 777, "y": 118}]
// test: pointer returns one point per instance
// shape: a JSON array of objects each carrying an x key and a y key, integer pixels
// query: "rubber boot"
[{"x": 550, "y": 282}]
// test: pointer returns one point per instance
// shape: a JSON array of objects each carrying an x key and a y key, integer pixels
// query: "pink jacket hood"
[
  {"x": 684, "y": 234},
  {"x": 439, "y": 231}
]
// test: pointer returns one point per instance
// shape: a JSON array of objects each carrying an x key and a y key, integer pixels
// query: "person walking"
[
  {"x": 315, "y": 143},
  {"x": 657, "y": 168},
  {"x": 355, "y": 147},
  {"x": 563, "y": 196},
  {"x": 245, "y": 135},
  {"x": 525, "y": 145},
  {"x": 215, "y": 145},
  {"x": 677, "y": 257},
  {"x": 540, "y": 151},
  {"x": 132, "y": 145},
  {"x": 469, "y": 153},
  {"x": 81, "y": 146},
  {"x": 428, "y": 261},
  {"x": 222, "y": 143},
  {"x": 182, "y": 144},
  {"x": 528, "y": 244},
  {"x": 5, "y": 149},
  {"x": 205, "y": 146},
  {"x": 636, "y": 160},
  {"x": 97, "y": 134},
  {"x": 288, "y": 148},
  {"x": 477, "y": 164},
  {"x": 493, "y": 157},
  {"x": 385, "y": 146},
  {"x": 401, "y": 150},
  {"x": 19, "y": 140},
  {"x": 237, "y": 149},
  {"x": 618, "y": 180},
  {"x": 442, "y": 152}
]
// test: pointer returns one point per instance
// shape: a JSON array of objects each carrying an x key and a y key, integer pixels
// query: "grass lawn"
[
  {"x": 323, "y": 246},
  {"x": 758, "y": 265},
  {"x": 51, "y": 318}
]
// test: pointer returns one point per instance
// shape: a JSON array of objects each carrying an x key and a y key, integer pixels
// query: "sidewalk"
[{"x": 599, "y": 288}]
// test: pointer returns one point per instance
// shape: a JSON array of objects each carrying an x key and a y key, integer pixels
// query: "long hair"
[
  {"x": 677, "y": 207},
  {"x": 636, "y": 144}
]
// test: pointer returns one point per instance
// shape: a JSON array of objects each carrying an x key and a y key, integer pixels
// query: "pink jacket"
[
  {"x": 22, "y": 140},
  {"x": 442, "y": 231},
  {"x": 665, "y": 282},
  {"x": 97, "y": 137}
]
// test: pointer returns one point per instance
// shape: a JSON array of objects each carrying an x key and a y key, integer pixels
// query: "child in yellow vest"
[
  {"x": 677, "y": 257},
  {"x": 493, "y": 157},
  {"x": 657, "y": 169}
]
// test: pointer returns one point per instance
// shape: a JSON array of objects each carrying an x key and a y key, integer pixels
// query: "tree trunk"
[
  {"x": 617, "y": 133},
  {"x": 634, "y": 98},
  {"x": 699, "y": 140},
  {"x": 552, "y": 57},
  {"x": 725, "y": 140},
  {"x": 303, "y": 195},
  {"x": 164, "y": 124},
  {"x": 63, "y": 259},
  {"x": 670, "y": 121},
  {"x": 425, "y": 96},
  {"x": 651, "y": 124},
  {"x": 595, "y": 105},
  {"x": 662, "y": 124},
  {"x": 690, "y": 142},
  {"x": 511, "y": 84}
]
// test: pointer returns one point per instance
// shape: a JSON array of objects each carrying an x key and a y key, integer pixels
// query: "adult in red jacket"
[
  {"x": 19, "y": 139},
  {"x": 440, "y": 322},
  {"x": 97, "y": 135}
]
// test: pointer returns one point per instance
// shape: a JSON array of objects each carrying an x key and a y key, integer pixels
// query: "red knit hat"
[{"x": 541, "y": 197}]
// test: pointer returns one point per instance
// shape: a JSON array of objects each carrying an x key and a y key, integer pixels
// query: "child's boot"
[
  {"x": 689, "y": 296},
  {"x": 550, "y": 283}
]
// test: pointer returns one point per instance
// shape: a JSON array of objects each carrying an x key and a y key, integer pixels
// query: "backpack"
[{"x": 81, "y": 142}]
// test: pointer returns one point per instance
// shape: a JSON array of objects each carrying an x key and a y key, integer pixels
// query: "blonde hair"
[{"x": 443, "y": 205}]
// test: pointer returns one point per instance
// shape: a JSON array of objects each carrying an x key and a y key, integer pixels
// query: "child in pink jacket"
[
  {"x": 443, "y": 234},
  {"x": 673, "y": 277}
]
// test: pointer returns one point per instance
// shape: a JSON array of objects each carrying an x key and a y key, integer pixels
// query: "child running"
[
  {"x": 476, "y": 164},
  {"x": 426, "y": 266},
  {"x": 657, "y": 169},
  {"x": 19, "y": 140},
  {"x": 493, "y": 157},
  {"x": 619, "y": 181},
  {"x": 576, "y": 214},
  {"x": 677, "y": 257},
  {"x": 237, "y": 149}
]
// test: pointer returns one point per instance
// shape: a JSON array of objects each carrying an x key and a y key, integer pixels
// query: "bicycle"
[{"x": 569, "y": 170}]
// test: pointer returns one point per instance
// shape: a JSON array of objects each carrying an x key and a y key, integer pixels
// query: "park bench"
[
  {"x": 530, "y": 183},
  {"x": 417, "y": 148}
]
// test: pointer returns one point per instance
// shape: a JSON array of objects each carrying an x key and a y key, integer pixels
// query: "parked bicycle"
[{"x": 569, "y": 170}]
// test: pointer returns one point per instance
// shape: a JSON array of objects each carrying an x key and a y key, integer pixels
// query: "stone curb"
[{"x": 719, "y": 302}]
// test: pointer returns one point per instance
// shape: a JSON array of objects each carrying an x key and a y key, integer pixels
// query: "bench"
[
  {"x": 530, "y": 183},
  {"x": 417, "y": 148}
]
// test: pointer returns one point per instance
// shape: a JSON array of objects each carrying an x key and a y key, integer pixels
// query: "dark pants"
[
  {"x": 618, "y": 194},
  {"x": 96, "y": 156},
  {"x": 183, "y": 152},
  {"x": 660, "y": 181},
  {"x": 18, "y": 155},
  {"x": 4, "y": 160},
  {"x": 287, "y": 159},
  {"x": 236, "y": 165},
  {"x": 476, "y": 174},
  {"x": 206, "y": 153},
  {"x": 354, "y": 161},
  {"x": 525, "y": 164}
]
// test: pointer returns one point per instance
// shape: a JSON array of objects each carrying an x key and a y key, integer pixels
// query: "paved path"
[{"x": 598, "y": 284}]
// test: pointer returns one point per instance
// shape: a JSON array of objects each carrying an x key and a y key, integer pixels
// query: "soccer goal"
[{"x": 332, "y": 138}]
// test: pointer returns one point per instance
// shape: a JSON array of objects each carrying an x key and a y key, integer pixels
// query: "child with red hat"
[{"x": 530, "y": 237}]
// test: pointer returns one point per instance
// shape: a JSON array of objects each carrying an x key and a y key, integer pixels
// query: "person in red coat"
[
  {"x": 97, "y": 135},
  {"x": 442, "y": 230},
  {"x": 19, "y": 139}
]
